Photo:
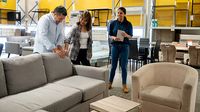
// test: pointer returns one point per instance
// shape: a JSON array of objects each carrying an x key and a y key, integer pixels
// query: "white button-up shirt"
[{"x": 48, "y": 35}]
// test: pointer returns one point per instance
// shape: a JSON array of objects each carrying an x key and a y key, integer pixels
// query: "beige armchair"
[{"x": 165, "y": 87}]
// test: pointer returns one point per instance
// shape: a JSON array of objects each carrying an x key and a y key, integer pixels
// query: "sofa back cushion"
[
  {"x": 3, "y": 89},
  {"x": 56, "y": 67},
  {"x": 24, "y": 73}
]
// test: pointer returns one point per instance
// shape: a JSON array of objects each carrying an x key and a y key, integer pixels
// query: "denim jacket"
[
  {"x": 73, "y": 40},
  {"x": 126, "y": 26}
]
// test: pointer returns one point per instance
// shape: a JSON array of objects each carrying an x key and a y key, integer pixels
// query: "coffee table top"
[{"x": 114, "y": 104}]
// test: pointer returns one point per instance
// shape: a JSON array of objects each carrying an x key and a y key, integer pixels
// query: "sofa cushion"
[
  {"x": 56, "y": 67},
  {"x": 90, "y": 87},
  {"x": 3, "y": 89},
  {"x": 51, "y": 97},
  {"x": 24, "y": 73},
  {"x": 162, "y": 95}
]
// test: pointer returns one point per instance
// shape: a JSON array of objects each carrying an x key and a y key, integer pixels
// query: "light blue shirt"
[{"x": 48, "y": 34}]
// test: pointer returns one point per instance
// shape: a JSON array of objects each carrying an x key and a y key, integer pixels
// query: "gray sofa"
[{"x": 45, "y": 82}]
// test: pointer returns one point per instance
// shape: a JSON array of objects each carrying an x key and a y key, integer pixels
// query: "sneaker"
[{"x": 125, "y": 88}]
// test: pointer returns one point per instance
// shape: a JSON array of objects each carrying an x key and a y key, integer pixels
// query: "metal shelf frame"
[
  {"x": 175, "y": 10},
  {"x": 194, "y": 14}
]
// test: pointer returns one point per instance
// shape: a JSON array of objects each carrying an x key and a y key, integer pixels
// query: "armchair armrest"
[
  {"x": 92, "y": 72},
  {"x": 140, "y": 79},
  {"x": 189, "y": 90}
]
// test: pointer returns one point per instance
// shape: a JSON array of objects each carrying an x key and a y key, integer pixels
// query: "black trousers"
[{"x": 81, "y": 58}]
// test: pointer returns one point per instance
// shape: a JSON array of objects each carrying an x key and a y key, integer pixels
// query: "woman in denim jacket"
[
  {"x": 80, "y": 40},
  {"x": 120, "y": 32}
]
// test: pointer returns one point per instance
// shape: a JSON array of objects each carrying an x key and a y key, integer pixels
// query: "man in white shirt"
[{"x": 50, "y": 32}]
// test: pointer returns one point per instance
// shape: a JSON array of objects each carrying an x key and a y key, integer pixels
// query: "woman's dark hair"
[
  {"x": 60, "y": 10},
  {"x": 122, "y": 9},
  {"x": 87, "y": 16}
]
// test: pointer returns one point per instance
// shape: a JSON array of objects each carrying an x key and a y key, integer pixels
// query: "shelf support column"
[
  {"x": 26, "y": 15},
  {"x": 113, "y": 9},
  {"x": 147, "y": 19},
  {"x": 73, "y": 5}
]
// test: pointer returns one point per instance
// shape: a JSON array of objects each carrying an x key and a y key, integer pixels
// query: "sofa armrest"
[
  {"x": 140, "y": 79},
  {"x": 92, "y": 72},
  {"x": 189, "y": 90}
]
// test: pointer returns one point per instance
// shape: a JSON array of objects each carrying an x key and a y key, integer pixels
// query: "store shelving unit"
[
  {"x": 10, "y": 15},
  {"x": 165, "y": 7},
  {"x": 172, "y": 32},
  {"x": 176, "y": 10},
  {"x": 2, "y": 13},
  {"x": 195, "y": 14},
  {"x": 96, "y": 16},
  {"x": 40, "y": 13},
  {"x": 183, "y": 6},
  {"x": 176, "y": 28}
]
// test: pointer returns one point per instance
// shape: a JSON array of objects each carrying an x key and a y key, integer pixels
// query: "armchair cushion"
[{"x": 164, "y": 95}]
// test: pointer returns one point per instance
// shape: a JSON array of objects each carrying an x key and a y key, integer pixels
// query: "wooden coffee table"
[{"x": 115, "y": 104}]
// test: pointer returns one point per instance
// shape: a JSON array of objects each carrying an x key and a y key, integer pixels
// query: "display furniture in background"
[
  {"x": 195, "y": 13},
  {"x": 168, "y": 52}
]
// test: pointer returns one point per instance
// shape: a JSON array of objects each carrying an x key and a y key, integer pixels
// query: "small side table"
[{"x": 115, "y": 104}]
